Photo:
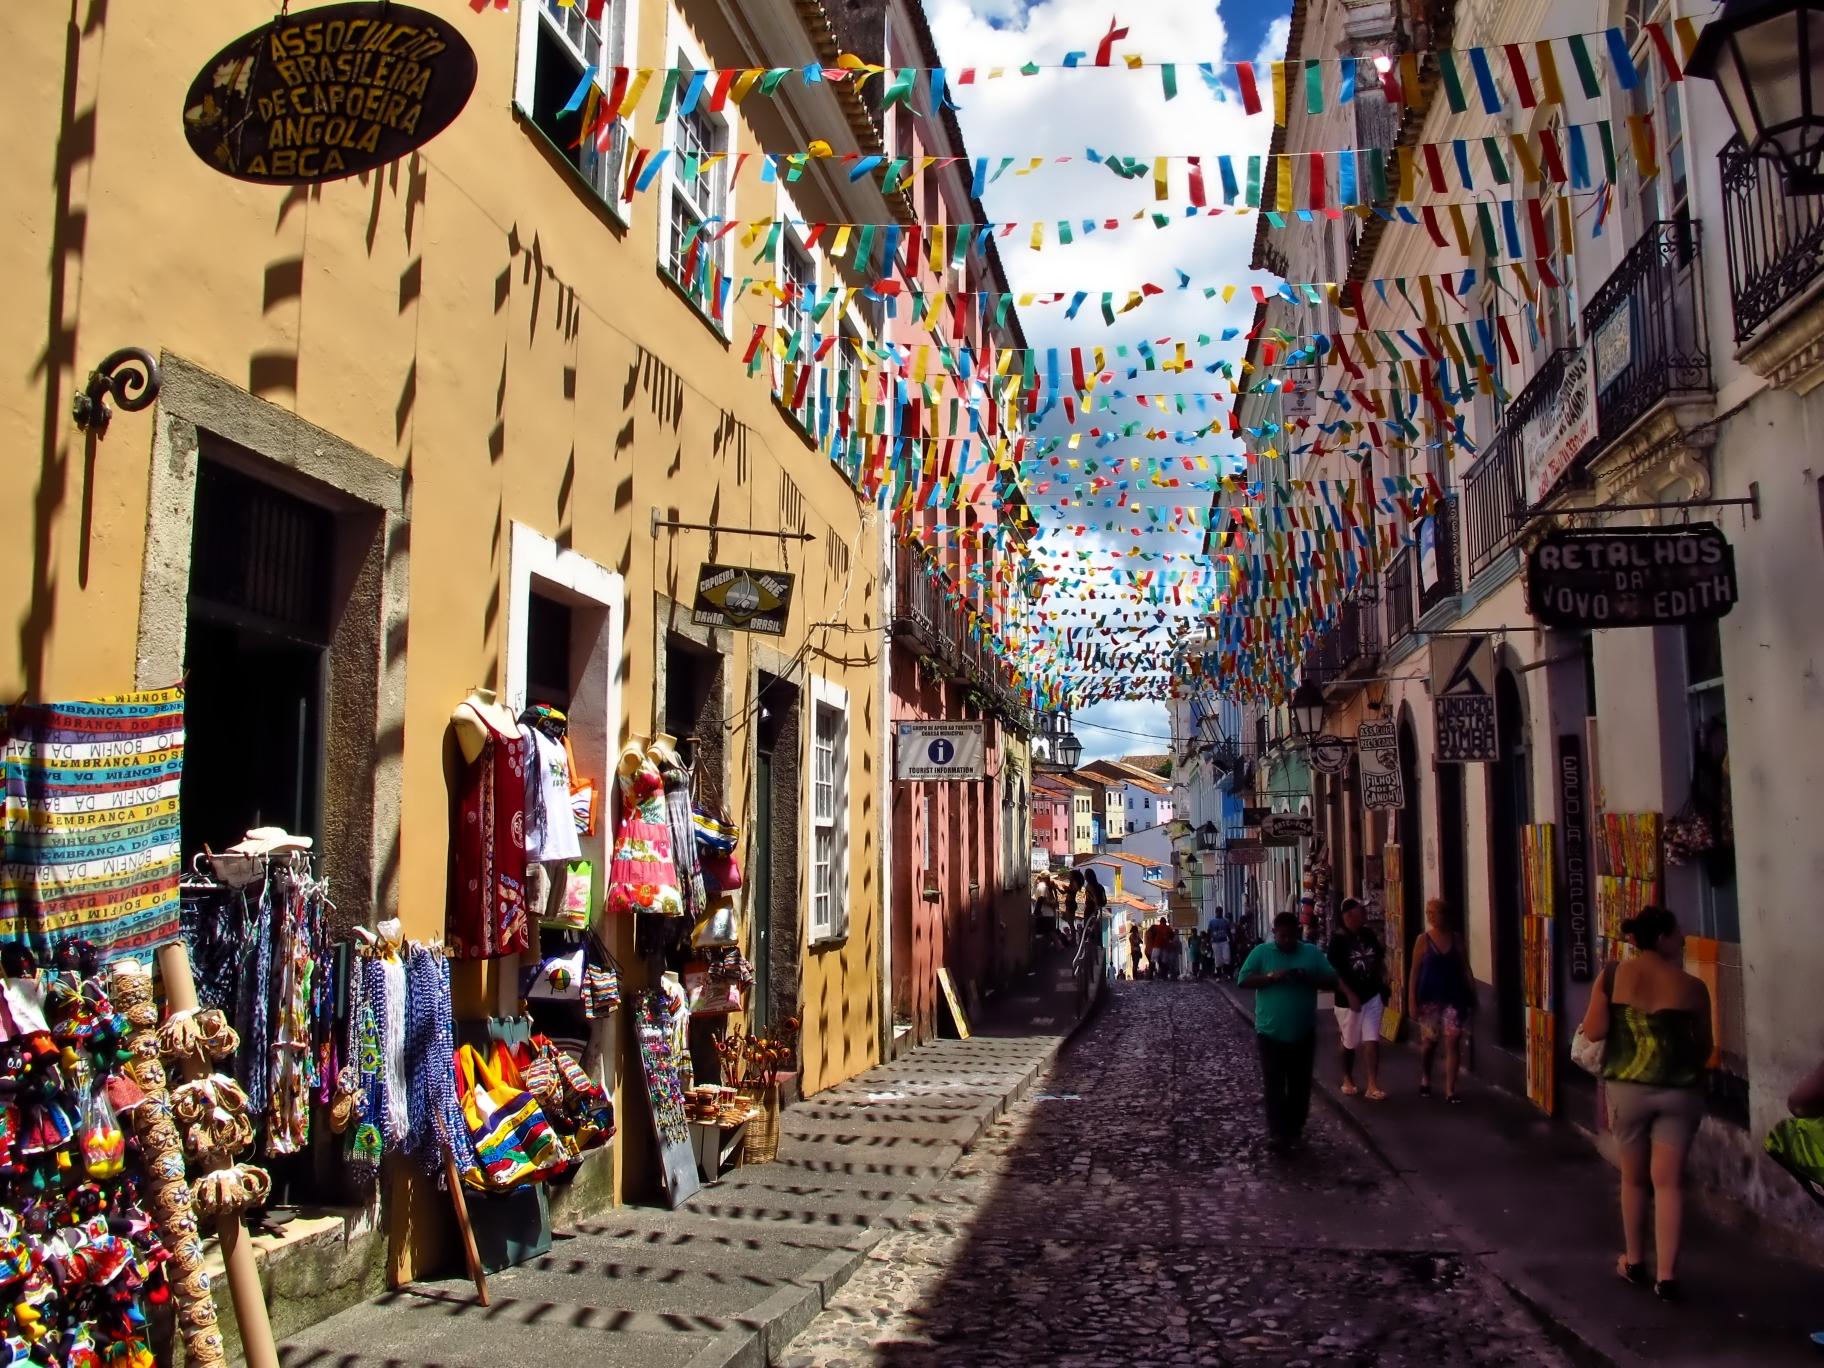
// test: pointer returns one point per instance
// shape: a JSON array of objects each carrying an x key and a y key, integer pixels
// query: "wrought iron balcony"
[
  {"x": 1352, "y": 646},
  {"x": 1776, "y": 240},
  {"x": 1494, "y": 488},
  {"x": 1646, "y": 325},
  {"x": 930, "y": 618},
  {"x": 1401, "y": 597}
]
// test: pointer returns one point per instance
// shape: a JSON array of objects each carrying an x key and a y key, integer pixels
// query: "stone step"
[{"x": 413, "y": 1330}]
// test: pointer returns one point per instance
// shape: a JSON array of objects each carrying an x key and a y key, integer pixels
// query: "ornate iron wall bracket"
[{"x": 130, "y": 375}]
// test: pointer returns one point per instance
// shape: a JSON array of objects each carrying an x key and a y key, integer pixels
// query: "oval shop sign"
[{"x": 327, "y": 93}]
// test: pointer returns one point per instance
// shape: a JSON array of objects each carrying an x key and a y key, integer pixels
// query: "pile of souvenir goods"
[
  {"x": 752, "y": 1064},
  {"x": 718, "y": 1105},
  {"x": 81, "y": 1257}
]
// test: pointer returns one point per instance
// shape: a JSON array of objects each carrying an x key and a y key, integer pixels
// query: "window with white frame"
[
  {"x": 698, "y": 193},
  {"x": 557, "y": 44},
  {"x": 829, "y": 811},
  {"x": 1665, "y": 194}
]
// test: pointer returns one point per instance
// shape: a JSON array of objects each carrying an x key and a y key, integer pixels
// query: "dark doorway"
[
  {"x": 1510, "y": 808},
  {"x": 1411, "y": 838},
  {"x": 693, "y": 713},
  {"x": 1453, "y": 863},
  {"x": 260, "y": 618},
  {"x": 772, "y": 882}
]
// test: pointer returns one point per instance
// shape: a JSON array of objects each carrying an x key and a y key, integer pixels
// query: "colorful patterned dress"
[
  {"x": 642, "y": 876},
  {"x": 487, "y": 912}
]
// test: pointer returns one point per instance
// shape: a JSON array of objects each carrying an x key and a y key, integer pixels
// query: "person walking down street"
[
  {"x": 1044, "y": 910},
  {"x": 1443, "y": 998},
  {"x": 1136, "y": 956},
  {"x": 1156, "y": 936},
  {"x": 1219, "y": 944},
  {"x": 1285, "y": 975},
  {"x": 1655, "y": 1020},
  {"x": 1095, "y": 903},
  {"x": 1360, "y": 962}
]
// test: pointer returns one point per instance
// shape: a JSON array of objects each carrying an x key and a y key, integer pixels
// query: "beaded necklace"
[{"x": 437, "y": 1125}]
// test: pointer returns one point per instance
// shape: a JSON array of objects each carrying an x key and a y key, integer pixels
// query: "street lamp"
[
  {"x": 1208, "y": 836},
  {"x": 1307, "y": 710},
  {"x": 1767, "y": 59},
  {"x": 1069, "y": 750}
]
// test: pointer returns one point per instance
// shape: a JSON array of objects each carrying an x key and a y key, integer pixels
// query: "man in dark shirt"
[{"x": 1360, "y": 961}]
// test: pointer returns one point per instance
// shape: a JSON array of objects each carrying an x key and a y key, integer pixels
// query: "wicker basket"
[{"x": 761, "y": 1143}]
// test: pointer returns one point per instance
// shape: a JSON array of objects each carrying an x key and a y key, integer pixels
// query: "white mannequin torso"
[{"x": 473, "y": 717}]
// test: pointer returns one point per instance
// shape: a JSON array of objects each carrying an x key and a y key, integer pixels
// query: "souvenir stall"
[
  {"x": 676, "y": 872},
  {"x": 530, "y": 1109}
]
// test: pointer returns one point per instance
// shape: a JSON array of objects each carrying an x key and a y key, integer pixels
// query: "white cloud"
[{"x": 1124, "y": 113}]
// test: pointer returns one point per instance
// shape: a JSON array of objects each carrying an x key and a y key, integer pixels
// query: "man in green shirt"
[{"x": 1286, "y": 974}]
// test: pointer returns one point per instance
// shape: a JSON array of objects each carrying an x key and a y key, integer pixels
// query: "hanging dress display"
[
  {"x": 642, "y": 876},
  {"x": 683, "y": 831},
  {"x": 487, "y": 913}
]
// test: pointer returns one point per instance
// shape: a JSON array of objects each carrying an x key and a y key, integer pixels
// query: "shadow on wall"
[{"x": 56, "y": 364}]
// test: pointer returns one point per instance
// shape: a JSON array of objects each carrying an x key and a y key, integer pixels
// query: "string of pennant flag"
[
  {"x": 1499, "y": 78},
  {"x": 1342, "y": 178},
  {"x": 1021, "y": 458}
]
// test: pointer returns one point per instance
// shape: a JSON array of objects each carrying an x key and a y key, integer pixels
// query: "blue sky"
[{"x": 1120, "y": 113}]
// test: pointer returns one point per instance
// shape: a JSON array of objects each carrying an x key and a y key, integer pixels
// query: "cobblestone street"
[{"x": 1128, "y": 1212}]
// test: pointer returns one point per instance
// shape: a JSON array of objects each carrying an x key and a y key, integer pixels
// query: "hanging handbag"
[
  {"x": 721, "y": 873},
  {"x": 705, "y": 996},
  {"x": 1588, "y": 1054},
  {"x": 579, "y": 891},
  {"x": 584, "y": 795},
  {"x": 513, "y": 1140},
  {"x": 601, "y": 981},
  {"x": 720, "y": 927},
  {"x": 716, "y": 833},
  {"x": 580, "y": 1106}
]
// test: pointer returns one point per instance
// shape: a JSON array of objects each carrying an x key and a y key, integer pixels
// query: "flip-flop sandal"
[
  {"x": 1350, "y": 1090},
  {"x": 1375, "y": 1095},
  {"x": 1455, "y": 1099},
  {"x": 1424, "y": 1090}
]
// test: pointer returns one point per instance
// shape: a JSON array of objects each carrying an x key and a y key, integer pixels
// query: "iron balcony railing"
[
  {"x": 1776, "y": 240},
  {"x": 1646, "y": 325},
  {"x": 1401, "y": 597},
  {"x": 1494, "y": 488},
  {"x": 927, "y": 612},
  {"x": 1353, "y": 643}
]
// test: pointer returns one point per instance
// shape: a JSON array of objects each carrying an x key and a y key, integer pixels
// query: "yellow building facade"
[{"x": 423, "y": 431}]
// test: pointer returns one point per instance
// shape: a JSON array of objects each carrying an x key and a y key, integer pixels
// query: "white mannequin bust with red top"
[{"x": 472, "y": 730}]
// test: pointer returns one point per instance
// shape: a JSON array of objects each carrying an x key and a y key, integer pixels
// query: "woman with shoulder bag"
[
  {"x": 1443, "y": 997},
  {"x": 1653, "y": 1021}
]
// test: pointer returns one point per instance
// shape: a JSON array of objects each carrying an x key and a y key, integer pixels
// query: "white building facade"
[{"x": 1671, "y": 378}]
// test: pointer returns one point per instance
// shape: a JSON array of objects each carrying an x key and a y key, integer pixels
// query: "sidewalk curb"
[
  {"x": 1567, "y": 1337},
  {"x": 782, "y": 1317}
]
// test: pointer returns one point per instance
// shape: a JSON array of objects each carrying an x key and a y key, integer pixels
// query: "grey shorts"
[{"x": 1666, "y": 1116}]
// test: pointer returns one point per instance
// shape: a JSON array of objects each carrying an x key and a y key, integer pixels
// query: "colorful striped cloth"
[{"x": 90, "y": 847}]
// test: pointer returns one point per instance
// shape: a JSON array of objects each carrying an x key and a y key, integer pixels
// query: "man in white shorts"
[
  {"x": 1360, "y": 961},
  {"x": 1219, "y": 944}
]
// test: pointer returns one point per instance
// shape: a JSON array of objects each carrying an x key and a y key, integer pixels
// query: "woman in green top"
[{"x": 1655, "y": 1019}]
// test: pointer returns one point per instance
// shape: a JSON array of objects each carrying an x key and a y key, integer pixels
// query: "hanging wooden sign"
[
  {"x": 328, "y": 93},
  {"x": 1631, "y": 577},
  {"x": 1378, "y": 745},
  {"x": 746, "y": 600}
]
